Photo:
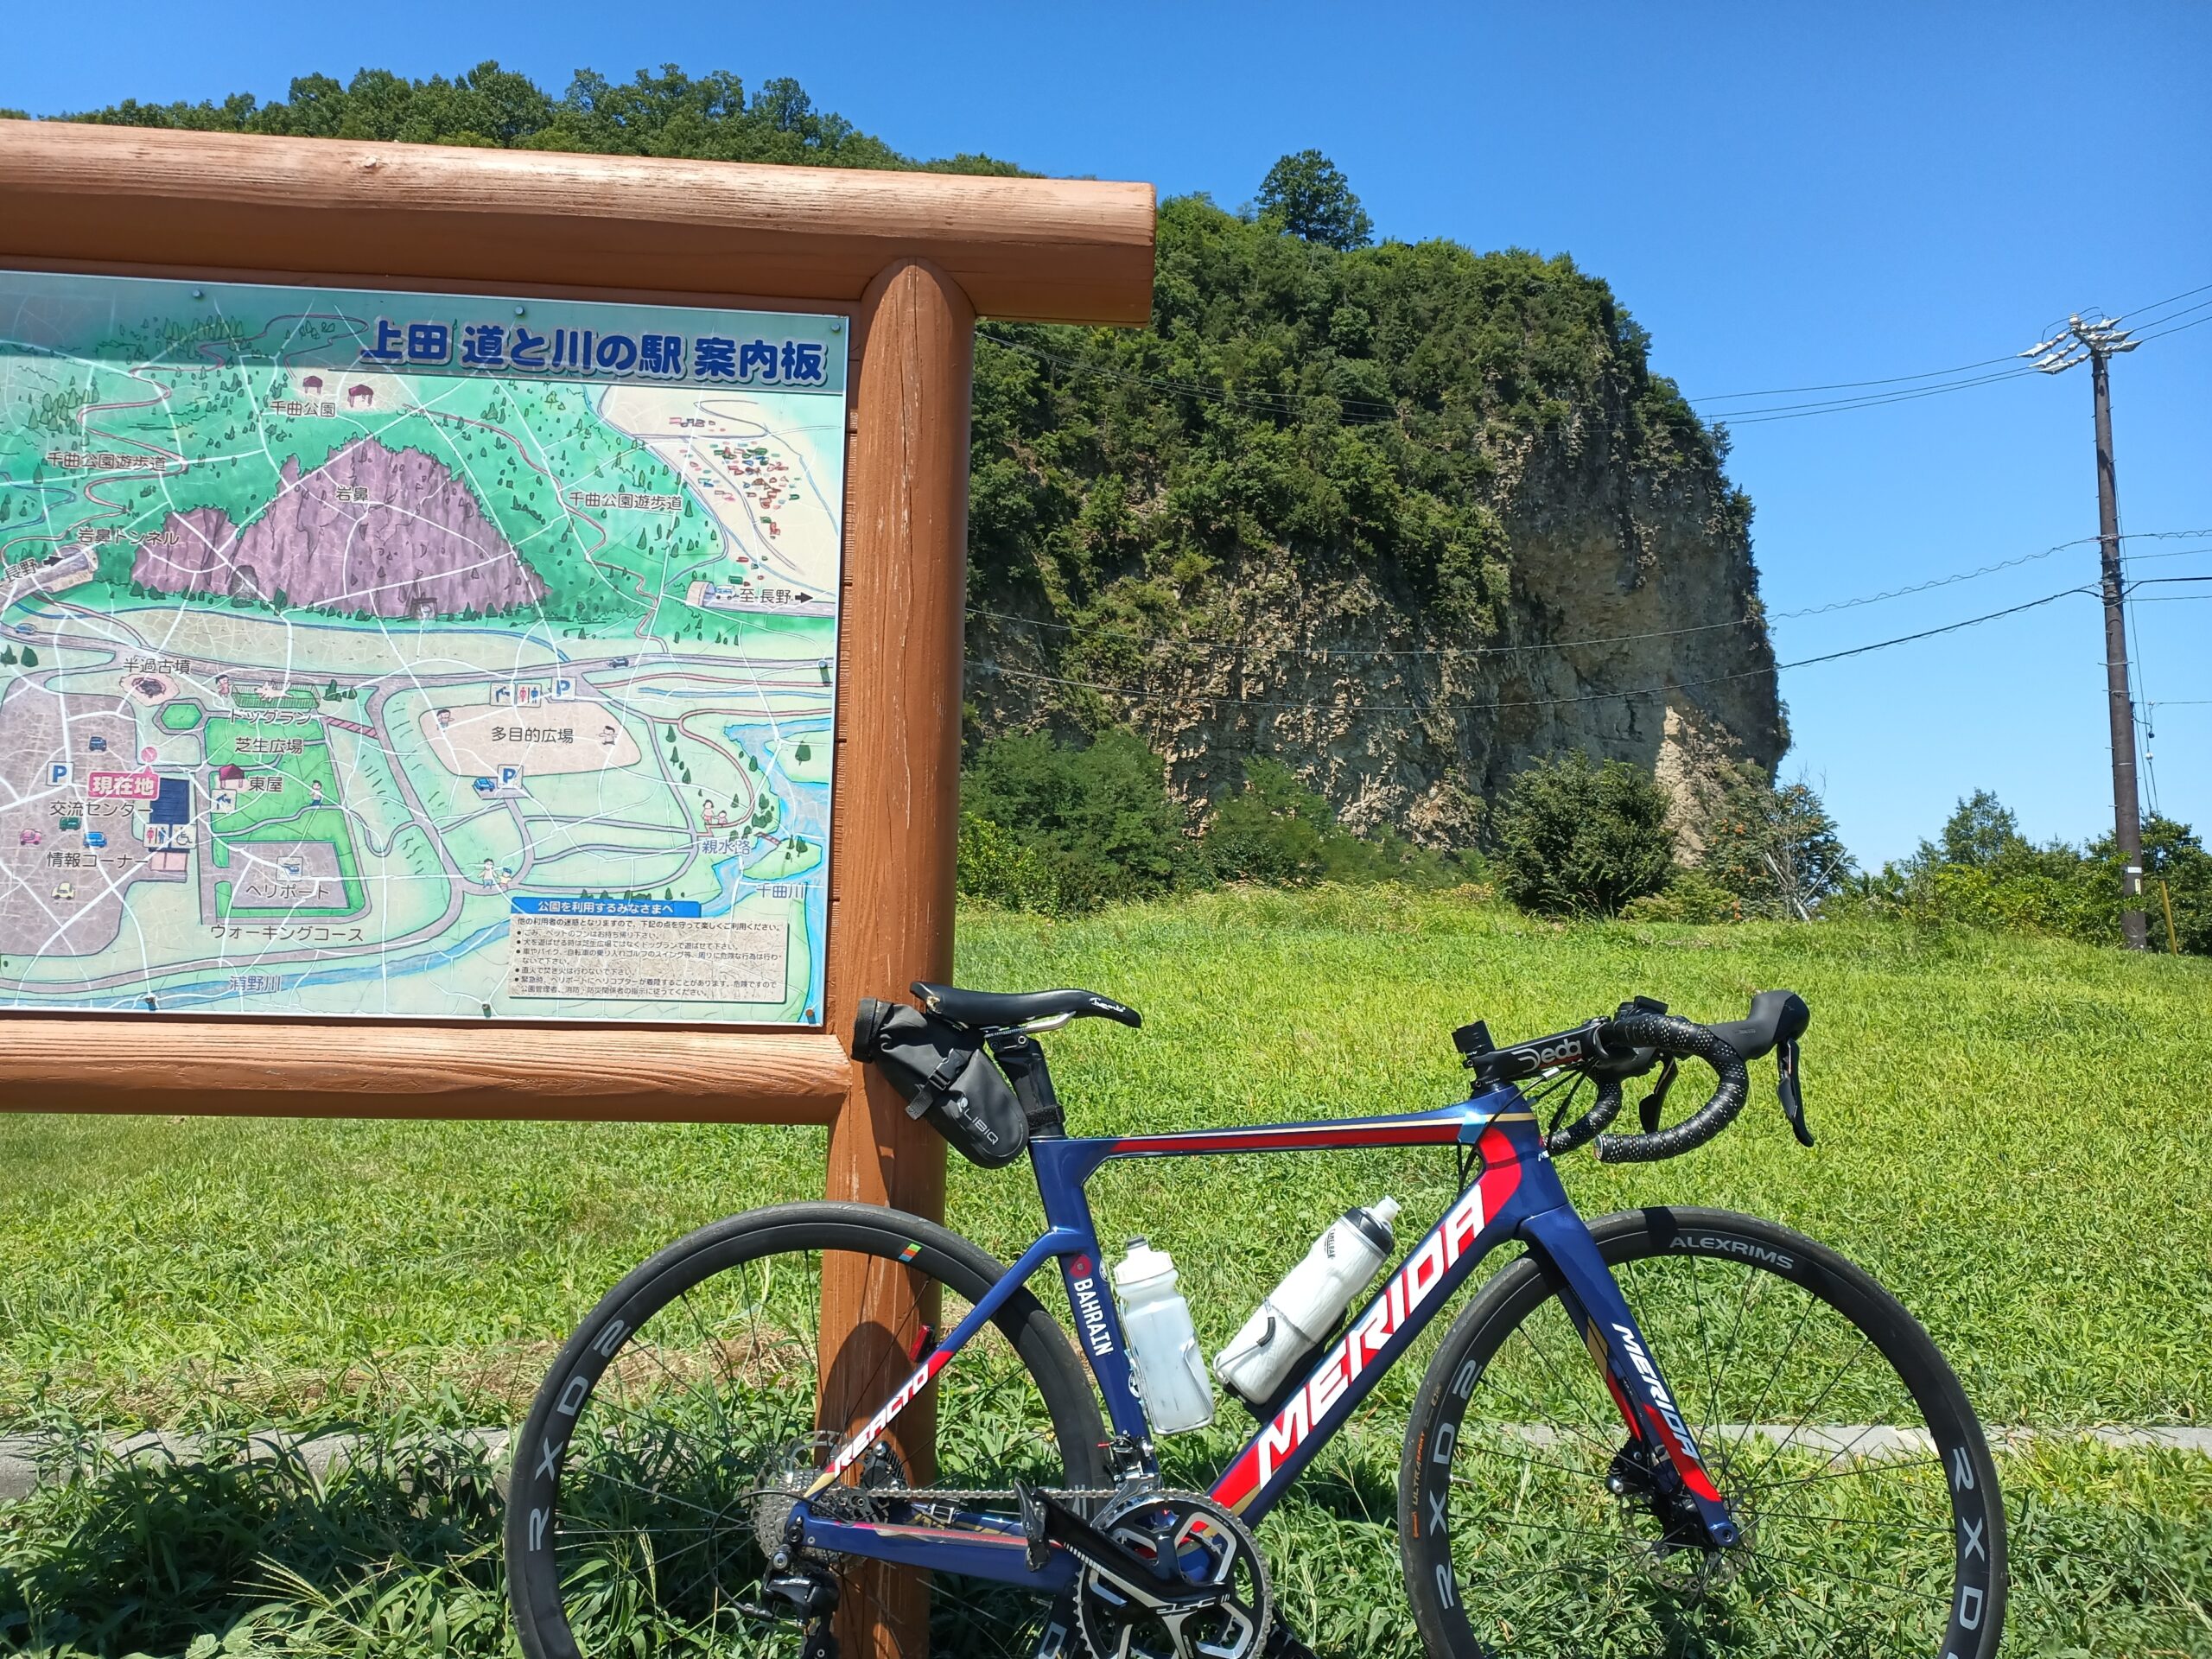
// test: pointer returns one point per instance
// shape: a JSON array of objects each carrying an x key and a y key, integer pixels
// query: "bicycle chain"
[{"x": 953, "y": 1494}]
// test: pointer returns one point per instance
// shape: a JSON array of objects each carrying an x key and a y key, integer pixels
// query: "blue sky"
[{"x": 1785, "y": 196}]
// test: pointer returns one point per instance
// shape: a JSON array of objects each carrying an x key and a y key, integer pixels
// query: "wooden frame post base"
[{"x": 898, "y": 806}]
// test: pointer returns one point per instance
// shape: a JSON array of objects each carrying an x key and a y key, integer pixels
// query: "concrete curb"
[{"x": 28, "y": 1462}]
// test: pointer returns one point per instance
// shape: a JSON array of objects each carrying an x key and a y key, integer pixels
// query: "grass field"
[{"x": 2009, "y": 1138}]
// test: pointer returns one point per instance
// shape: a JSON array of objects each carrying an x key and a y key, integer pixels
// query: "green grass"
[{"x": 2007, "y": 1138}]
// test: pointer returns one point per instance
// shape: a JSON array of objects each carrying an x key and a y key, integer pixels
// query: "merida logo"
[
  {"x": 1358, "y": 1347},
  {"x": 1653, "y": 1386}
]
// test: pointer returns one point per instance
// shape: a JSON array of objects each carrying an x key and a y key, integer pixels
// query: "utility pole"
[{"x": 2099, "y": 342}]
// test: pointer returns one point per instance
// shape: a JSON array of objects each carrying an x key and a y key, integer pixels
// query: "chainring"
[{"x": 1209, "y": 1547}]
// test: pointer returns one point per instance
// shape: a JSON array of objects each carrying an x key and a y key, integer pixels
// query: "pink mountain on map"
[{"x": 390, "y": 532}]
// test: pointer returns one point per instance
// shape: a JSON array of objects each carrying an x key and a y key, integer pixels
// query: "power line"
[
  {"x": 2158, "y": 305},
  {"x": 1142, "y": 695},
  {"x": 1929, "y": 633},
  {"x": 2180, "y": 327},
  {"x": 1849, "y": 385},
  {"x": 1911, "y": 390},
  {"x": 1761, "y": 416},
  {"x": 2141, "y": 728}
]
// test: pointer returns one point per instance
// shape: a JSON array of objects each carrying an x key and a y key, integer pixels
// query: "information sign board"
[{"x": 421, "y": 655}]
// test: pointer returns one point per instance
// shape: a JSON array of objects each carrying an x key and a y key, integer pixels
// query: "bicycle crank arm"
[{"x": 1045, "y": 1522}]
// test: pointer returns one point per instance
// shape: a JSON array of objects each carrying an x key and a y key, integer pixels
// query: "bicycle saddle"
[{"x": 990, "y": 1010}]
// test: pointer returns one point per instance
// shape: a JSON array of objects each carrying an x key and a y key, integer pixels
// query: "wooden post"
[{"x": 895, "y": 824}]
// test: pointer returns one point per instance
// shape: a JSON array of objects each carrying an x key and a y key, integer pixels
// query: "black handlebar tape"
[
  {"x": 1602, "y": 1111},
  {"x": 1680, "y": 1038}
]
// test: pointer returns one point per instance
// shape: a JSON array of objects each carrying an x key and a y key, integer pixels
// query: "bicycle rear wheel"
[
  {"x": 1828, "y": 1418},
  {"x": 685, "y": 1414}
]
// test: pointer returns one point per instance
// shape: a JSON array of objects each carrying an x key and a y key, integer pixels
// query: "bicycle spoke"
[
  {"x": 690, "y": 1419},
  {"x": 1595, "y": 1422},
  {"x": 1806, "y": 1416}
]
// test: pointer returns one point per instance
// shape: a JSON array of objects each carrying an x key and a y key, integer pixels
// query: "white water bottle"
[
  {"x": 1163, "y": 1346},
  {"x": 1304, "y": 1307}
]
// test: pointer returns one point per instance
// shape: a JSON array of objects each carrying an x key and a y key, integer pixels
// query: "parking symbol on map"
[{"x": 58, "y": 773}]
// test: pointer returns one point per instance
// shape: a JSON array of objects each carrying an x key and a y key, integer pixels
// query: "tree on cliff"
[{"x": 1309, "y": 196}]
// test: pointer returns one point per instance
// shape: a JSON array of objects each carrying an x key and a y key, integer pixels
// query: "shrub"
[
  {"x": 1071, "y": 829},
  {"x": 1690, "y": 895},
  {"x": 1982, "y": 872},
  {"x": 1275, "y": 829},
  {"x": 997, "y": 869},
  {"x": 1577, "y": 838},
  {"x": 1278, "y": 832},
  {"x": 2172, "y": 854}
]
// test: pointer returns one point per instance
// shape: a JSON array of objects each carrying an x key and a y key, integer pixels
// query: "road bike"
[{"x": 1670, "y": 1431}]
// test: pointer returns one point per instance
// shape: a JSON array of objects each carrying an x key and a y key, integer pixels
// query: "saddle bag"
[{"x": 947, "y": 1076}]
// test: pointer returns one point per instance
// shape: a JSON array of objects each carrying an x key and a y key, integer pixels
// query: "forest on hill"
[{"x": 1402, "y": 516}]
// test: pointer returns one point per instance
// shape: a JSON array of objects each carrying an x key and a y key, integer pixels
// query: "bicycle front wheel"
[
  {"x": 691, "y": 1408},
  {"x": 1841, "y": 1440}
]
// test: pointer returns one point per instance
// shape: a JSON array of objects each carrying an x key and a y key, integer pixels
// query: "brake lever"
[
  {"x": 1785, "y": 1086},
  {"x": 1648, "y": 1107}
]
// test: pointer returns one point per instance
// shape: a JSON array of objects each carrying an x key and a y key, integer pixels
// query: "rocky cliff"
[{"x": 1404, "y": 517}]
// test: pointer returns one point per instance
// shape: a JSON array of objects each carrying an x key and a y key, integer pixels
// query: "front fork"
[{"x": 1631, "y": 1368}]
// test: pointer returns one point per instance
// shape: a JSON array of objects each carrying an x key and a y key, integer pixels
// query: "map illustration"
[{"x": 387, "y": 654}]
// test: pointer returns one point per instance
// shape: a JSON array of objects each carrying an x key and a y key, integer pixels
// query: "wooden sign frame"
[{"x": 912, "y": 259}]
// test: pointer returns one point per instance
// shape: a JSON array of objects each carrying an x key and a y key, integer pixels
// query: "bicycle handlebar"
[
  {"x": 1642, "y": 1034},
  {"x": 1665, "y": 1034}
]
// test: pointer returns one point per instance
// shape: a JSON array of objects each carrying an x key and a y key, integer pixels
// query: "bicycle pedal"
[
  {"x": 1281, "y": 1643},
  {"x": 818, "y": 1644}
]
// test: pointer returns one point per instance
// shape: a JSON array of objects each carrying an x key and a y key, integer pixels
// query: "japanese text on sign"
[{"x": 569, "y": 353}]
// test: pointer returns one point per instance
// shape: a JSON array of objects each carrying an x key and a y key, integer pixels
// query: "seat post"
[{"x": 1022, "y": 1058}]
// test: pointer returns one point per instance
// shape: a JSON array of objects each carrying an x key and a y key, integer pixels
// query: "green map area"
[{"x": 381, "y": 653}]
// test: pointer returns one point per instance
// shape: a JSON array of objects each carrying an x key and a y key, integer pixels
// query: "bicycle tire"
[
  {"x": 541, "y": 1576},
  {"x": 1503, "y": 1578}
]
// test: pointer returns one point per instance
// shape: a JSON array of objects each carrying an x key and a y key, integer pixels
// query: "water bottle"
[
  {"x": 1304, "y": 1307},
  {"x": 1163, "y": 1346}
]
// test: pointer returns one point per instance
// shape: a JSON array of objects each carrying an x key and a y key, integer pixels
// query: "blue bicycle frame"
[{"x": 1517, "y": 1195}]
